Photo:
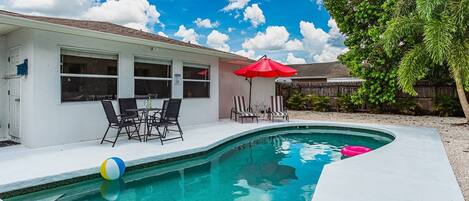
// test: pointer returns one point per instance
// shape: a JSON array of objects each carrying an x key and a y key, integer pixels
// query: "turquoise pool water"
[{"x": 277, "y": 164}]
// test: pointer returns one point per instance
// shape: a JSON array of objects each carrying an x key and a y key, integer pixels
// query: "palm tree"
[{"x": 440, "y": 31}]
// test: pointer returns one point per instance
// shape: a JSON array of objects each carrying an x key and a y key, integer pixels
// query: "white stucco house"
[{"x": 73, "y": 64}]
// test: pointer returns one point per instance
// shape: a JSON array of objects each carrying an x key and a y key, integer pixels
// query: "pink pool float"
[{"x": 350, "y": 151}]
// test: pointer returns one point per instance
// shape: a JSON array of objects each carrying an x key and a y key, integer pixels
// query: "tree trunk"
[{"x": 462, "y": 98}]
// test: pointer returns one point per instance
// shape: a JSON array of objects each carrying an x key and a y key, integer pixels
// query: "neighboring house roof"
[
  {"x": 344, "y": 79},
  {"x": 107, "y": 27},
  {"x": 320, "y": 70}
]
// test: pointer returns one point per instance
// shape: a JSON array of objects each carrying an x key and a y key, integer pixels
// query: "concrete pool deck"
[{"x": 412, "y": 167}]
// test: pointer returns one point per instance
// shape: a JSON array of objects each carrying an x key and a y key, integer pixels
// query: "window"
[
  {"x": 196, "y": 79},
  {"x": 152, "y": 78},
  {"x": 87, "y": 76}
]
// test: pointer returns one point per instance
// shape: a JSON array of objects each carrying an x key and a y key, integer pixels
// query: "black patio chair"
[
  {"x": 118, "y": 122},
  {"x": 169, "y": 117},
  {"x": 154, "y": 120},
  {"x": 126, "y": 104}
]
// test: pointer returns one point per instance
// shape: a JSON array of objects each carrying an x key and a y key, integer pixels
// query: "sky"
[{"x": 289, "y": 31}]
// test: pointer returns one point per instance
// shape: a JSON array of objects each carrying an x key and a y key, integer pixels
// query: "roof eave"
[{"x": 23, "y": 22}]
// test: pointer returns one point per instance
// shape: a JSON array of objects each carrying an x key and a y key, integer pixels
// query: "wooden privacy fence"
[{"x": 427, "y": 92}]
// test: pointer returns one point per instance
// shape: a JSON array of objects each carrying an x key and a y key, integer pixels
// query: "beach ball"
[{"x": 112, "y": 168}]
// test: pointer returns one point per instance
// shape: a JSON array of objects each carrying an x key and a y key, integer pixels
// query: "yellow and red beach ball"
[{"x": 112, "y": 168}]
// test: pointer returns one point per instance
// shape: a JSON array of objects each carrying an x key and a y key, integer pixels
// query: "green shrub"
[
  {"x": 346, "y": 104},
  {"x": 319, "y": 103},
  {"x": 296, "y": 101},
  {"x": 447, "y": 106},
  {"x": 407, "y": 106}
]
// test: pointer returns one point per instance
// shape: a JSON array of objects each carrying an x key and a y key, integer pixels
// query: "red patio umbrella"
[{"x": 264, "y": 67}]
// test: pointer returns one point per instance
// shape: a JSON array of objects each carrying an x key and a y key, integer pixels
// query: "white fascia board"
[{"x": 23, "y": 22}]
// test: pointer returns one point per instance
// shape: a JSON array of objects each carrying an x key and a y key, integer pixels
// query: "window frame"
[
  {"x": 209, "y": 80},
  {"x": 86, "y": 54},
  {"x": 158, "y": 61}
]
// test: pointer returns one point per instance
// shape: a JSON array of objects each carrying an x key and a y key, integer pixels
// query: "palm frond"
[
  {"x": 399, "y": 28},
  {"x": 438, "y": 35},
  {"x": 458, "y": 60},
  {"x": 413, "y": 67},
  {"x": 404, "y": 7},
  {"x": 460, "y": 14},
  {"x": 426, "y": 8}
]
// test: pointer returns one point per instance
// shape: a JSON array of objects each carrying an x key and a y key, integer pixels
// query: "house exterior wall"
[
  {"x": 232, "y": 85},
  {"x": 48, "y": 121}
]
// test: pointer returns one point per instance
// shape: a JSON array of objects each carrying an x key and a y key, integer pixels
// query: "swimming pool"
[{"x": 274, "y": 164}]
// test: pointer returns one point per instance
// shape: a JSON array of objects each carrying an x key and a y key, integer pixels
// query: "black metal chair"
[
  {"x": 118, "y": 122},
  {"x": 169, "y": 117},
  {"x": 154, "y": 120},
  {"x": 126, "y": 104}
]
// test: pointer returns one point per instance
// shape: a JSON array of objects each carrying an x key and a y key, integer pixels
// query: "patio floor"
[{"x": 413, "y": 167}]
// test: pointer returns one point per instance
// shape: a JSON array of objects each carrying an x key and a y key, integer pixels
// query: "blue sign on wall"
[{"x": 22, "y": 69}]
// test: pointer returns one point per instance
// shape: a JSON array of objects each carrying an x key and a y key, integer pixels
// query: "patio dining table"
[{"x": 144, "y": 116}]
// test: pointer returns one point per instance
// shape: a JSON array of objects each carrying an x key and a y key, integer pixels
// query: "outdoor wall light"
[{"x": 22, "y": 69}]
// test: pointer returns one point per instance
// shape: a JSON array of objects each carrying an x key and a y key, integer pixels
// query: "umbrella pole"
[{"x": 250, "y": 91}]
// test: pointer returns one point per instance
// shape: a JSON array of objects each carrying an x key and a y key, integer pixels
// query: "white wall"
[
  {"x": 232, "y": 85},
  {"x": 51, "y": 122}
]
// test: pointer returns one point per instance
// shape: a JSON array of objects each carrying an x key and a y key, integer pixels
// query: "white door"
[{"x": 14, "y": 94}]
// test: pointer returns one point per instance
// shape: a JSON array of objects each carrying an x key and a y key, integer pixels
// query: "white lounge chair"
[
  {"x": 277, "y": 109},
  {"x": 240, "y": 111}
]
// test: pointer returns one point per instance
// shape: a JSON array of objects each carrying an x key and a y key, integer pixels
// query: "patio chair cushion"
[
  {"x": 281, "y": 114},
  {"x": 247, "y": 114},
  {"x": 277, "y": 104},
  {"x": 239, "y": 104}
]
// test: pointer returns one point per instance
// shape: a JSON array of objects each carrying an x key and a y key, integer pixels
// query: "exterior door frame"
[{"x": 14, "y": 133}]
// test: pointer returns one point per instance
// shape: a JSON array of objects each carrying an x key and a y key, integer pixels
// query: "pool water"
[{"x": 277, "y": 164}]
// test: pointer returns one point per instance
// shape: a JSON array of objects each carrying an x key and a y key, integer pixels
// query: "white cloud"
[
  {"x": 70, "y": 8},
  {"x": 318, "y": 3},
  {"x": 322, "y": 46},
  {"x": 237, "y": 15},
  {"x": 187, "y": 35},
  {"x": 206, "y": 23},
  {"x": 316, "y": 44},
  {"x": 235, "y": 4},
  {"x": 328, "y": 54},
  {"x": 247, "y": 53},
  {"x": 231, "y": 29},
  {"x": 274, "y": 38},
  {"x": 291, "y": 59},
  {"x": 162, "y": 34},
  {"x": 336, "y": 38},
  {"x": 294, "y": 45},
  {"x": 254, "y": 14},
  {"x": 139, "y": 14},
  {"x": 314, "y": 39},
  {"x": 218, "y": 41}
]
